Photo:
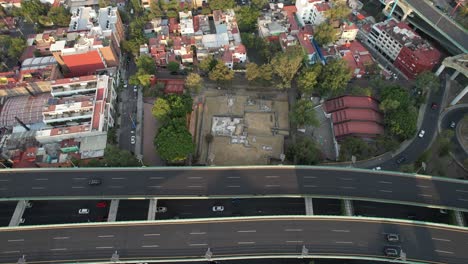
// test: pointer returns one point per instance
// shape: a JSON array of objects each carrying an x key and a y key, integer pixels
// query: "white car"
[
  {"x": 421, "y": 133},
  {"x": 161, "y": 209},
  {"x": 218, "y": 208},
  {"x": 132, "y": 139},
  {"x": 377, "y": 168},
  {"x": 83, "y": 211}
]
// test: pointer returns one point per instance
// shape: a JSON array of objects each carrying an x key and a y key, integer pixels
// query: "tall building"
[
  {"x": 312, "y": 11},
  {"x": 403, "y": 47}
]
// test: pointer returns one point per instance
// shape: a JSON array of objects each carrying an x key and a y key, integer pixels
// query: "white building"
[
  {"x": 388, "y": 38},
  {"x": 311, "y": 11},
  {"x": 186, "y": 23}
]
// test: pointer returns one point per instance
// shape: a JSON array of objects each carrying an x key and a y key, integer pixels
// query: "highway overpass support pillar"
[
  {"x": 348, "y": 207},
  {"x": 309, "y": 207},
  {"x": 114, "y": 206},
  {"x": 440, "y": 70},
  {"x": 454, "y": 75},
  {"x": 18, "y": 214},
  {"x": 152, "y": 209},
  {"x": 459, "y": 218},
  {"x": 459, "y": 96}
]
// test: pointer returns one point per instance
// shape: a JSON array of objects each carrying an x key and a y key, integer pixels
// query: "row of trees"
[
  {"x": 217, "y": 70},
  {"x": 173, "y": 141},
  {"x": 11, "y": 47},
  {"x": 45, "y": 14},
  {"x": 146, "y": 67}
]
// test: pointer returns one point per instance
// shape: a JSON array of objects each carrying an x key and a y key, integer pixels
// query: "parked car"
[
  {"x": 132, "y": 139},
  {"x": 377, "y": 168},
  {"x": 218, "y": 208},
  {"x": 161, "y": 209},
  {"x": 83, "y": 211},
  {"x": 421, "y": 133},
  {"x": 453, "y": 124},
  {"x": 392, "y": 251},
  {"x": 135, "y": 89},
  {"x": 443, "y": 211},
  {"x": 94, "y": 181},
  {"x": 393, "y": 237},
  {"x": 400, "y": 159}
]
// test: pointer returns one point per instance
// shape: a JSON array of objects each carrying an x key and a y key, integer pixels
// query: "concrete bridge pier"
[
  {"x": 18, "y": 213},
  {"x": 407, "y": 10},
  {"x": 152, "y": 209},
  {"x": 309, "y": 207},
  {"x": 114, "y": 206}
]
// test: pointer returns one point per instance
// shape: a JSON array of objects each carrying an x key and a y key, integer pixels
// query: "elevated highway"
[
  {"x": 235, "y": 238},
  {"x": 229, "y": 182}
]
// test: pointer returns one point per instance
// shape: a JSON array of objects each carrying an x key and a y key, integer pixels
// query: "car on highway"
[
  {"x": 22, "y": 220},
  {"x": 392, "y": 251},
  {"x": 453, "y": 124},
  {"x": 393, "y": 237},
  {"x": 401, "y": 160},
  {"x": 421, "y": 133},
  {"x": 94, "y": 181},
  {"x": 132, "y": 139},
  {"x": 434, "y": 106},
  {"x": 83, "y": 211},
  {"x": 161, "y": 209},
  {"x": 377, "y": 168},
  {"x": 218, "y": 208}
]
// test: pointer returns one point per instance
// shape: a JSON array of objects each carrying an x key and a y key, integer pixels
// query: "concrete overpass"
[
  {"x": 460, "y": 64},
  {"x": 440, "y": 22}
]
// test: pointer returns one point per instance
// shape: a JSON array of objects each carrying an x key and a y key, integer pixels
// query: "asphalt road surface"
[
  {"x": 132, "y": 210},
  {"x": 322, "y": 182},
  {"x": 429, "y": 124},
  {"x": 455, "y": 116},
  {"x": 237, "y": 237},
  {"x": 6, "y": 211},
  {"x": 327, "y": 206},
  {"x": 128, "y": 112},
  {"x": 232, "y": 207}
]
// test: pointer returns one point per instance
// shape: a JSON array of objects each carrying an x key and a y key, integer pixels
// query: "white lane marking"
[
  {"x": 197, "y": 245},
  {"x": 41, "y": 179},
  {"x": 10, "y": 252},
  {"x": 118, "y": 178},
  {"x": 233, "y": 186},
  {"x": 156, "y": 178},
  {"x": 79, "y": 178},
  {"x": 346, "y": 179},
  {"x": 198, "y": 233},
  {"x": 464, "y": 200},
  {"x": 310, "y": 177},
  {"x": 271, "y": 177},
  {"x": 195, "y": 178},
  {"x": 104, "y": 247},
  {"x": 246, "y": 231},
  {"x": 385, "y": 182},
  {"x": 294, "y": 241},
  {"x": 293, "y": 230},
  {"x": 343, "y": 242},
  {"x": 4, "y": 180},
  {"x": 425, "y": 195},
  {"x": 442, "y": 251},
  {"x": 105, "y": 236},
  {"x": 272, "y": 185},
  {"x": 155, "y": 186},
  {"x": 150, "y": 246},
  {"x": 245, "y": 243},
  {"x": 60, "y": 238},
  {"x": 422, "y": 186},
  {"x": 16, "y": 240},
  {"x": 115, "y": 186},
  {"x": 3, "y": 189},
  {"x": 341, "y": 230},
  {"x": 151, "y": 234},
  {"x": 233, "y": 177},
  {"x": 58, "y": 249},
  {"x": 441, "y": 239},
  {"x": 77, "y": 187},
  {"x": 386, "y": 191},
  {"x": 310, "y": 186},
  {"x": 463, "y": 191},
  {"x": 194, "y": 186},
  {"x": 347, "y": 187},
  {"x": 37, "y": 188}
]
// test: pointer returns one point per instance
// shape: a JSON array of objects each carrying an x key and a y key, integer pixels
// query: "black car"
[
  {"x": 94, "y": 182},
  {"x": 401, "y": 160},
  {"x": 392, "y": 252}
]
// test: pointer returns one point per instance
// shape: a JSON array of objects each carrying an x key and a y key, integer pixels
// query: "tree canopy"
[
  {"x": 286, "y": 64},
  {"x": 325, "y": 33},
  {"x": 221, "y": 4},
  {"x": 303, "y": 113},
  {"x": 208, "y": 63},
  {"x": 221, "y": 73},
  {"x": 33, "y": 9},
  {"x": 194, "y": 82},
  {"x": 307, "y": 80},
  {"x": 173, "y": 66},
  {"x": 173, "y": 141},
  {"x": 258, "y": 4},
  {"x": 304, "y": 152},
  {"x": 427, "y": 81},
  {"x": 252, "y": 71},
  {"x": 338, "y": 11},
  {"x": 161, "y": 108},
  {"x": 354, "y": 146},
  {"x": 146, "y": 67},
  {"x": 113, "y": 157},
  {"x": 11, "y": 47},
  {"x": 59, "y": 15},
  {"x": 333, "y": 77},
  {"x": 247, "y": 19}
]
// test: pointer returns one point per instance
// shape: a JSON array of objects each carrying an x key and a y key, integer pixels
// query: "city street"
[
  {"x": 128, "y": 111},
  {"x": 6, "y": 211}
]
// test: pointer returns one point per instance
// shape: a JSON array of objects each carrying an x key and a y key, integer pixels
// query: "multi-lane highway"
[
  {"x": 286, "y": 181},
  {"x": 321, "y": 236}
]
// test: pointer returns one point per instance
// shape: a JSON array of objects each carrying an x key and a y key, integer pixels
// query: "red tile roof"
[
  {"x": 356, "y": 115},
  {"x": 305, "y": 43},
  {"x": 348, "y": 101},
  {"x": 84, "y": 63},
  {"x": 357, "y": 128}
]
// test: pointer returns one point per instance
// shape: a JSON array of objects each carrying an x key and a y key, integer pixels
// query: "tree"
[
  {"x": 361, "y": 91},
  {"x": 180, "y": 105},
  {"x": 427, "y": 81},
  {"x": 155, "y": 9},
  {"x": 221, "y": 73},
  {"x": 174, "y": 142},
  {"x": 194, "y": 82},
  {"x": 173, "y": 66},
  {"x": 247, "y": 19},
  {"x": 339, "y": 11},
  {"x": 259, "y": 4},
  {"x": 325, "y": 33},
  {"x": 208, "y": 63},
  {"x": 33, "y": 9},
  {"x": 303, "y": 114},
  {"x": 389, "y": 105},
  {"x": 221, "y": 4},
  {"x": 333, "y": 78},
  {"x": 146, "y": 64},
  {"x": 402, "y": 122},
  {"x": 445, "y": 142},
  {"x": 113, "y": 157},
  {"x": 161, "y": 109},
  {"x": 304, "y": 152},
  {"x": 354, "y": 146},
  {"x": 17, "y": 46},
  {"x": 286, "y": 65},
  {"x": 206, "y": 11},
  {"x": 308, "y": 80},
  {"x": 104, "y": 3},
  {"x": 252, "y": 71},
  {"x": 266, "y": 72},
  {"x": 59, "y": 15}
]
